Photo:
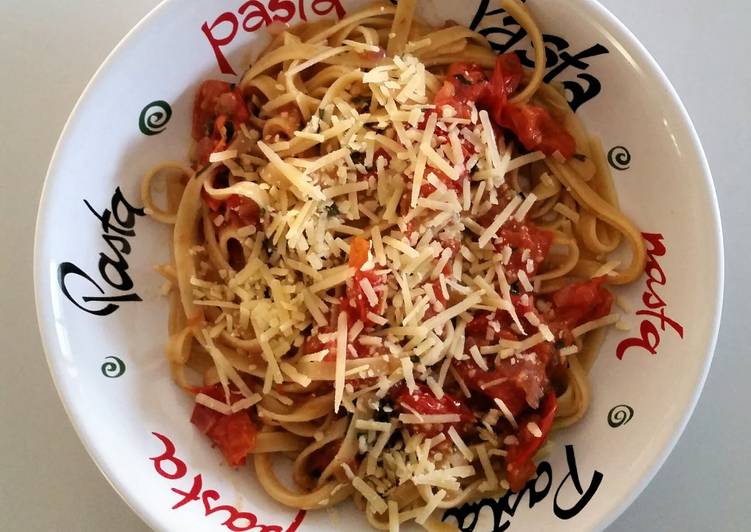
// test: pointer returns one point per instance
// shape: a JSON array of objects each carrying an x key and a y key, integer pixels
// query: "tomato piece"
[
  {"x": 217, "y": 110},
  {"x": 519, "y": 465},
  {"x": 464, "y": 83},
  {"x": 203, "y": 149},
  {"x": 507, "y": 76},
  {"x": 356, "y": 302},
  {"x": 214, "y": 204},
  {"x": 536, "y": 129},
  {"x": 242, "y": 211},
  {"x": 234, "y": 434},
  {"x": 314, "y": 343},
  {"x": 237, "y": 210},
  {"x": 358, "y": 252},
  {"x": 424, "y": 402},
  {"x": 523, "y": 236},
  {"x": 519, "y": 385},
  {"x": 216, "y": 98},
  {"x": 204, "y": 106},
  {"x": 578, "y": 303}
]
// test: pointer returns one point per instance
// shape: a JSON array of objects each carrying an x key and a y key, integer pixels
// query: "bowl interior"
[{"x": 103, "y": 319}]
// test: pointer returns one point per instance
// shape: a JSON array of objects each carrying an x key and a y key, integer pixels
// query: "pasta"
[{"x": 389, "y": 263}]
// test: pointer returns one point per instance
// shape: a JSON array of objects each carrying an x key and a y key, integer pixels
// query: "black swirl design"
[
  {"x": 113, "y": 368},
  {"x": 619, "y": 415},
  {"x": 154, "y": 117},
  {"x": 619, "y": 158}
]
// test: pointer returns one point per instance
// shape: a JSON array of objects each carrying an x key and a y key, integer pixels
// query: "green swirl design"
[
  {"x": 619, "y": 158},
  {"x": 113, "y": 367},
  {"x": 154, "y": 117},
  {"x": 619, "y": 415}
]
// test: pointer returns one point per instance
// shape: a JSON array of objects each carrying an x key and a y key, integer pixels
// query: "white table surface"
[{"x": 48, "y": 51}]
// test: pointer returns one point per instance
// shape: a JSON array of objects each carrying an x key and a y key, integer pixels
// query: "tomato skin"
[
  {"x": 217, "y": 106},
  {"x": 578, "y": 303},
  {"x": 521, "y": 236},
  {"x": 534, "y": 126},
  {"x": 237, "y": 210},
  {"x": 467, "y": 82},
  {"x": 536, "y": 129},
  {"x": 234, "y": 434},
  {"x": 507, "y": 76},
  {"x": 356, "y": 302},
  {"x": 523, "y": 382},
  {"x": 204, "y": 106},
  {"x": 244, "y": 211},
  {"x": 519, "y": 464},
  {"x": 464, "y": 83},
  {"x": 424, "y": 402}
]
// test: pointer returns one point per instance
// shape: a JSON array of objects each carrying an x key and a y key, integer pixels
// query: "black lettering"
[
  {"x": 577, "y": 61},
  {"x": 579, "y": 94},
  {"x": 118, "y": 244},
  {"x": 507, "y": 28},
  {"x": 126, "y": 219},
  {"x": 544, "y": 471},
  {"x": 573, "y": 474},
  {"x": 67, "y": 268},
  {"x": 106, "y": 264},
  {"x": 118, "y": 202},
  {"x": 467, "y": 516},
  {"x": 105, "y": 219}
]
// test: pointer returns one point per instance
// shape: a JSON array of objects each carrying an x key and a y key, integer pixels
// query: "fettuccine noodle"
[{"x": 389, "y": 263}]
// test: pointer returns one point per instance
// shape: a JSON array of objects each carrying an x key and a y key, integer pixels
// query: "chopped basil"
[
  {"x": 358, "y": 157},
  {"x": 332, "y": 210},
  {"x": 515, "y": 289},
  {"x": 559, "y": 344},
  {"x": 320, "y": 114},
  {"x": 415, "y": 359}
]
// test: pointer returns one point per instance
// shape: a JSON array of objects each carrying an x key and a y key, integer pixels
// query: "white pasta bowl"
[{"x": 103, "y": 320}]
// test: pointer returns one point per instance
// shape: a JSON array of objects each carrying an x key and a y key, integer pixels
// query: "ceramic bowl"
[{"x": 103, "y": 320}]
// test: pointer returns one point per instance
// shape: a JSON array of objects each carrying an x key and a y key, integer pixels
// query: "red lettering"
[
  {"x": 655, "y": 239},
  {"x": 258, "y": 13},
  {"x": 651, "y": 299},
  {"x": 647, "y": 330},
  {"x": 169, "y": 456},
  {"x": 677, "y": 327},
  {"x": 324, "y": 7},
  {"x": 286, "y": 5},
  {"x": 235, "y": 521},
  {"x": 650, "y": 336},
  {"x": 213, "y": 495},
  {"x": 298, "y": 518},
  {"x": 217, "y": 42},
  {"x": 191, "y": 495},
  {"x": 652, "y": 268}
]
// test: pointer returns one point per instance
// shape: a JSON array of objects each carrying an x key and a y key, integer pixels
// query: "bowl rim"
[{"x": 620, "y": 33}]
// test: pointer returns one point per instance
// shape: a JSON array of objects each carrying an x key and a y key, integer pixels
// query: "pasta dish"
[{"x": 390, "y": 263}]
